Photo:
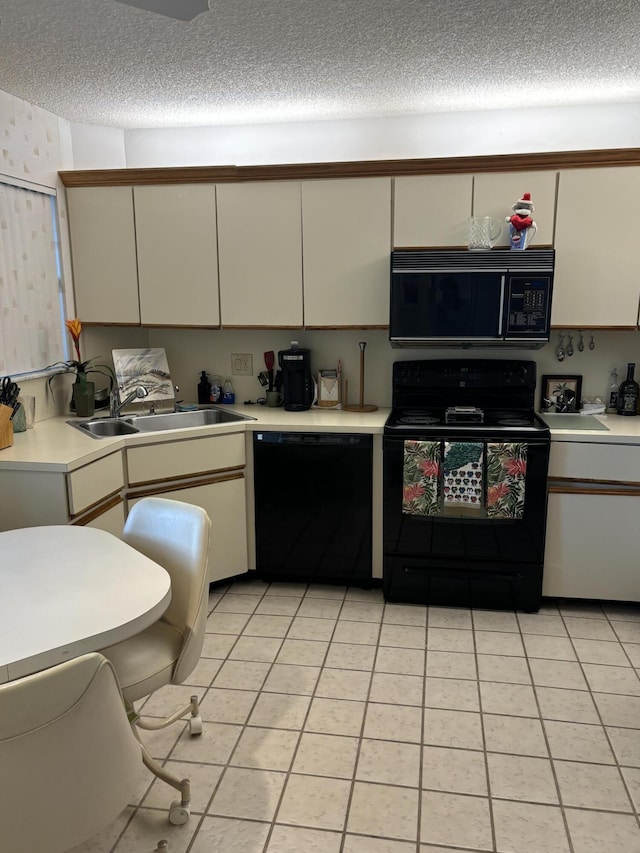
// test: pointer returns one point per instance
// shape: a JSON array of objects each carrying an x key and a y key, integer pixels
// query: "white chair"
[
  {"x": 69, "y": 761},
  {"x": 175, "y": 535}
]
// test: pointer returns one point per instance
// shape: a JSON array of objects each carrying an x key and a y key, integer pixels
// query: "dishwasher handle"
[{"x": 314, "y": 439}]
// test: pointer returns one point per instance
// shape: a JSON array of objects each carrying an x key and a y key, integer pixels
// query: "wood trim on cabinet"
[
  {"x": 98, "y": 510},
  {"x": 187, "y": 480},
  {"x": 595, "y": 158},
  {"x": 583, "y": 486},
  {"x": 272, "y": 326},
  {"x": 584, "y": 327},
  {"x": 342, "y": 328},
  {"x": 183, "y": 484}
]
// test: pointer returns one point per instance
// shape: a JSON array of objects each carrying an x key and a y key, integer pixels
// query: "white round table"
[{"x": 69, "y": 590}]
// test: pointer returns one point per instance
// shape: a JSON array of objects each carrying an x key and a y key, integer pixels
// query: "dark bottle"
[
  {"x": 204, "y": 388},
  {"x": 628, "y": 394}
]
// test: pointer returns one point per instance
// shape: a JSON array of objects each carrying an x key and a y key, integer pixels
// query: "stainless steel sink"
[
  {"x": 105, "y": 427},
  {"x": 180, "y": 420},
  {"x": 110, "y": 427}
]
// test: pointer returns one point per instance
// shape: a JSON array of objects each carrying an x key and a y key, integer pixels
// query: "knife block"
[{"x": 6, "y": 427}]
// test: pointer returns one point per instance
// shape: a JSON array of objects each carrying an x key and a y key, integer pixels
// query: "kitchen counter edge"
[{"x": 53, "y": 445}]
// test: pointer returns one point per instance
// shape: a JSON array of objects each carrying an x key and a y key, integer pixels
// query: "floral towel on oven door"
[
  {"x": 421, "y": 478},
  {"x": 506, "y": 475},
  {"x": 463, "y": 474}
]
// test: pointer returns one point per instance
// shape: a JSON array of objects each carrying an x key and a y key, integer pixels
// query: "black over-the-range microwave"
[{"x": 500, "y": 297}]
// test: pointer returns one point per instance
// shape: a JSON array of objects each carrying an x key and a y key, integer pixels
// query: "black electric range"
[{"x": 475, "y": 545}]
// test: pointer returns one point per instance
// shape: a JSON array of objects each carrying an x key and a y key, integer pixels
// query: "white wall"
[
  {"x": 97, "y": 147},
  {"x": 189, "y": 351},
  {"x": 434, "y": 135}
]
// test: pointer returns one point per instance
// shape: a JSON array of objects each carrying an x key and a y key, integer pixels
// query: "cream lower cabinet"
[
  {"x": 346, "y": 246},
  {"x": 89, "y": 495},
  {"x": 224, "y": 502},
  {"x": 260, "y": 254},
  {"x": 597, "y": 275},
  {"x": 207, "y": 472},
  {"x": 592, "y": 518}
]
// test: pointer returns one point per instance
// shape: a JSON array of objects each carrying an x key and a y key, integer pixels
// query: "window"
[{"x": 31, "y": 292}]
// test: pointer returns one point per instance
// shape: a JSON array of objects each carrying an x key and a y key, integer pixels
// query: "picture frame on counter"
[{"x": 561, "y": 393}]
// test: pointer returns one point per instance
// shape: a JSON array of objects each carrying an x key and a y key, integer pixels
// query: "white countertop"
[
  {"x": 620, "y": 430},
  {"x": 55, "y": 446}
]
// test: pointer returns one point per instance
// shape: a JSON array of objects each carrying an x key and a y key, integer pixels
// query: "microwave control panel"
[{"x": 528, "y": 305}]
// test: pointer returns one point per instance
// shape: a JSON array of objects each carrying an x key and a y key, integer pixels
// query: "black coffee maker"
[{"x": 297, "y": 387}]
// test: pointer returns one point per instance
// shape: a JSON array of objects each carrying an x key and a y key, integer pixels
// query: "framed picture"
[{"x": 562, "y": 394}]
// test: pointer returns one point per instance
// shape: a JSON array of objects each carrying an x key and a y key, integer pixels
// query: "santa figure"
[{"x": 522, "y": 228}]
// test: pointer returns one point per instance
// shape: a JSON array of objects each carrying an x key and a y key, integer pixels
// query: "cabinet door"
[
  {"x": 177, "y": 255},
  {"x": 103, "y": 251},
  {"x": 591, "y": 547},
  {"x": 225, "y": 503},
  {"x": 494, "y": 194},
  {"x": 346, "y": 234},
  {"x": 431, "y": 210},
  {"x": 597, "y": 277},
  {"x": 260, "y": 254},
  {"x": 110, "y": 520}
]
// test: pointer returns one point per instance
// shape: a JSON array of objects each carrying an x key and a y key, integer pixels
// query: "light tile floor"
[{"x": 337, "y": 723}]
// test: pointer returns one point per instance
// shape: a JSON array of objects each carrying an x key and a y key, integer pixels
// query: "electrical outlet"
[{"x": 241, "y": 364}]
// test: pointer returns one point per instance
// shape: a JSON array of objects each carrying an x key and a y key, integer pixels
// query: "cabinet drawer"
[
  {"x": 606, "y": 462},
  {"x": 94, "y": 482},
  {"x": 157, "y": 462}
]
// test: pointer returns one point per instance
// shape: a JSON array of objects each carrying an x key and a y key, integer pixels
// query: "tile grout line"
[{"x": 324, "y": 667}]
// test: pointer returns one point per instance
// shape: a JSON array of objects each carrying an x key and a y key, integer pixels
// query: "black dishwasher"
[{"x": 313, "y": 498}]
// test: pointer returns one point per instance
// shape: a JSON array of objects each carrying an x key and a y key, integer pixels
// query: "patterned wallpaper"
[{"x": 31, "y": 146}]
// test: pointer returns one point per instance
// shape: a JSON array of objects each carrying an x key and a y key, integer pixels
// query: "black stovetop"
[
  {"x": 465, "y": 421},
  {"x": 465, "y": 397}
]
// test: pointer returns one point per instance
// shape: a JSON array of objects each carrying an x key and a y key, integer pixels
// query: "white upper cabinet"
[
  {"x": 346, "y": 228},
  {"x": 177, "y": 254},
  {"x": 103, "y": 251},
  {"x": 260, "y": 253},
  {"x": 597, "y": 277},
  {"x": 494, "y": 194},
  {"x": 432, "y": 210}
]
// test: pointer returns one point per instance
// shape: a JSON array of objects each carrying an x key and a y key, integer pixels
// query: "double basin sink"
[{"x": 129, "y": 425}]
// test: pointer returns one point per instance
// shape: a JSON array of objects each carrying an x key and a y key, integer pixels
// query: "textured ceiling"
[{"x": 255, "y": 61}]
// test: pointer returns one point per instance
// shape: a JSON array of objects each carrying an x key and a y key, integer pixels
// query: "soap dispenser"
[
  {"x": 204, "y": 388},
  {"x": 228, "y": 394}
]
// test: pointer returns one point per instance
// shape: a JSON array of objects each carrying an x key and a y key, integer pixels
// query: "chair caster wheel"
[
  {"x": 178, "y": 814},
  {"x": 195, "y": 725}
]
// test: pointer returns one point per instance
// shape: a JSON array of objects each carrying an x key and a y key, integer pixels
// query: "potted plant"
[{"x": 83, "y": 392}]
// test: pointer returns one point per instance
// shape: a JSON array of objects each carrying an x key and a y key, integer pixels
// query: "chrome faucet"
[{"x": 116, "y": 407}]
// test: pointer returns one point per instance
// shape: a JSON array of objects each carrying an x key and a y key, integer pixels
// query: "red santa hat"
[{"x": 524, "y": 202}]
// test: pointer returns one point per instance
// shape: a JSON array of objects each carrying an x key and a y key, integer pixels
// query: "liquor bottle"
[
  {"x": 628, "y": 394},
  {"x": 612, "y": 393}
]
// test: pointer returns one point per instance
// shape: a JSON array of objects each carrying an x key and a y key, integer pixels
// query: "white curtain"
[{"x": 31, "y": 316}]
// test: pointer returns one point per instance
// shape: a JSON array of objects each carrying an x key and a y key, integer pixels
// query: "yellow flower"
[{"x": 74, "y": 327}]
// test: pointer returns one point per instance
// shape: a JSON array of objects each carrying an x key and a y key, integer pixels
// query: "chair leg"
[
  {"x": 179, "y": 810},
  {"x": 195, "y": 721}
]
